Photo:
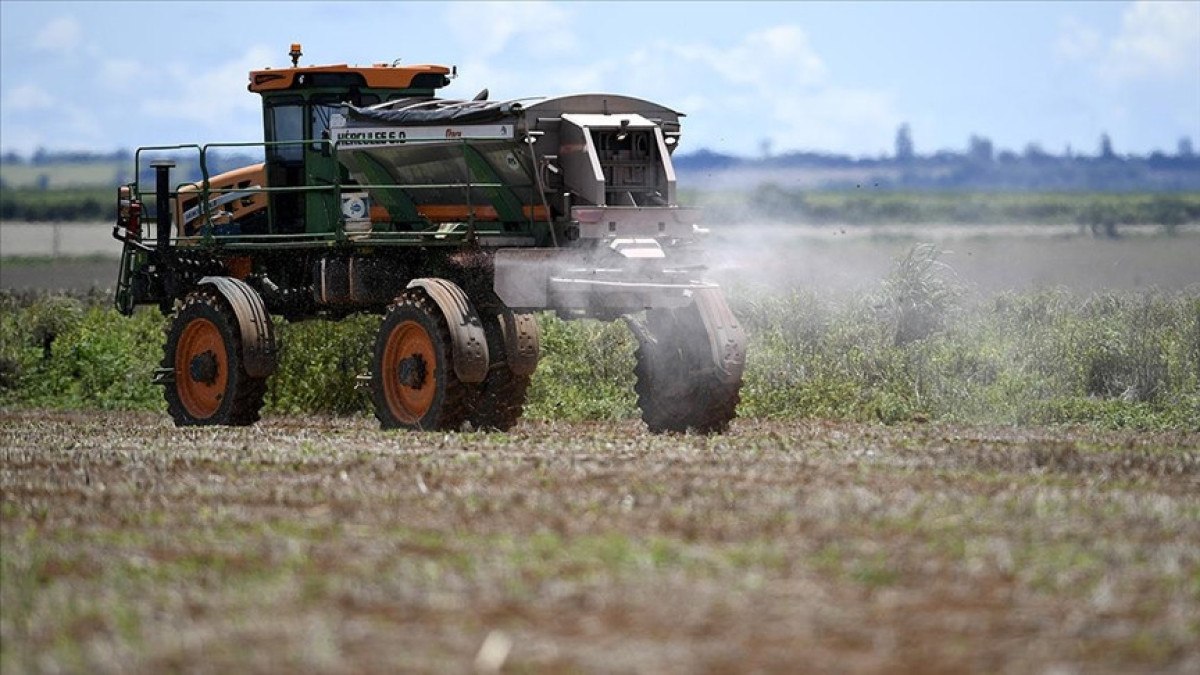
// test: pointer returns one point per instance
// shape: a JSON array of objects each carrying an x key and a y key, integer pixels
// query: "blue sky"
[{"x": 832, "y": 77}]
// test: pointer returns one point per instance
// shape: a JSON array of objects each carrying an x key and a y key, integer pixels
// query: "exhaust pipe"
[{"x": 162, "y": 204}]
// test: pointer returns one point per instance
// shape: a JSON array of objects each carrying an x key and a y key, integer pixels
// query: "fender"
[
  {"x": 726, "y": 338},
  {"x": 466, "y": 330},
  {"x": 522, "y": 341},
  {"x": 259, "y": 354}
]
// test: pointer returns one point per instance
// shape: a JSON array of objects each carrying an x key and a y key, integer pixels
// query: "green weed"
[{"x": 919, "y": 348}]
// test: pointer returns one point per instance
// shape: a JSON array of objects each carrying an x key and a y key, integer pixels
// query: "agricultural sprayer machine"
[{"x": 457, "y": 221}]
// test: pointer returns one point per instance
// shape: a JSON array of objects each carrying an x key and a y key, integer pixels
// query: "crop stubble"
[{"x": 327, "y": 545}]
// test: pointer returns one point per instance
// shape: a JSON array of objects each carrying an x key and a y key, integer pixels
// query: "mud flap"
[
  {"x": 726, "y": 338},
  {"x": 259, "y": 354},
  {"x": 522, "y": 341},
  {"x": 466, "y": 330}
]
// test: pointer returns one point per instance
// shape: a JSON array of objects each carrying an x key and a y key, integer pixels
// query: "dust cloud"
[{"x": 989, "y": 259}]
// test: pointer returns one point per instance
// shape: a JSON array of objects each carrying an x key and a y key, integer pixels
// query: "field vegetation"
[
  {"x": 318, "y": 544},
  {"x": 1103, "y": 213},
  {"x": 58, "y": 205},
  {"x": 919, "y": 347},
  {"x": 923, "y": 478}
]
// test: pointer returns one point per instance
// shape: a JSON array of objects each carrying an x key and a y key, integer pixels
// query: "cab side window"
[
  {"x": 287, "y": 124},
  {"x": 324, "y": 105}
]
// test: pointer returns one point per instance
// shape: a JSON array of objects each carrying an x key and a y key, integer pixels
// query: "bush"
[
  {"x": 319, "y": 362},
  {"x": 918, "y": 294},
  {"x": 101, "y": 360},
  {"x": 916, "y": 349},
  {"x": 586, "y": 371}
]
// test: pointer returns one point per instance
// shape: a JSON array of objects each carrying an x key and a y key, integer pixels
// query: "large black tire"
[
  {"x": 204, "y": 351},
  {"x": 413, "y": 384},
  {"x": 500, "y": 399},
  {"x": 676, "y": 387}
]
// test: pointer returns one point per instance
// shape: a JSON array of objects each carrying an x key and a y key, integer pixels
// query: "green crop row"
[
  {"x": 67, "y": 204},
  {"x": 916, "y": 349},
  {"x": 1097, "y": 210}
]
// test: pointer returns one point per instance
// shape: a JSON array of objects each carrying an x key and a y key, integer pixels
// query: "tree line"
[
  {"x": 70, "y": 204},
  {"x": 980, "y": 166}
]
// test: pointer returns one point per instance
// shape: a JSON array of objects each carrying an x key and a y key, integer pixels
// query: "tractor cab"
[{"x": 297, "y": 105}]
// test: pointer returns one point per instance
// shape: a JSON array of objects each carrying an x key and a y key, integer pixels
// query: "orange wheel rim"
[
  {"x": 409, "y": 372},
  {"x": 201, "y": 368}
]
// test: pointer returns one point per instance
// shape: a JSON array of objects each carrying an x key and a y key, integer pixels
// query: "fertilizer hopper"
[{"x": 585, "y": 181}]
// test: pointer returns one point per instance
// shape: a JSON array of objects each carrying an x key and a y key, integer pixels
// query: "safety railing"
[{"x": 205, "y": 192}]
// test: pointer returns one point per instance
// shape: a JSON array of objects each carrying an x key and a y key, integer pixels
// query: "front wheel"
[
  {"x": 677, "y": 387},
  {"x": 413, "y": 384},
  {"x": 204, "y": 353}
]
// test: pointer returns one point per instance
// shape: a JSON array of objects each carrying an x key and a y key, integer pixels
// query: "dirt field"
[
  {"x": 57, "y": 239},
  {"x": 327, "y": 545}
]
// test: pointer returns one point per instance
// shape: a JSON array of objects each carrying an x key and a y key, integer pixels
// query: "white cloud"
[
  {"x": 769, "y": 84},
  {"x": 1156, "y": 40},
  {"x": 23, "y": 138},
  {"x": 120, "y": 72},
  {"x": 1078, "y": 41},
  {"x": 86, "y": 130},
  {"x": 860, "y": 120},
  {"x": 27, "y": 97},
  {"x": 489, "y": 33},
  {"x": 61, "y": 35},
  {"x": 215, "y": 99},
  {"x": 488, "y": 28},
  {"x": 777, "y": 56}
]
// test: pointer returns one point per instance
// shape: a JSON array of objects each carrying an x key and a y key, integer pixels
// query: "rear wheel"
[
  {"x": 204, "y": 352},
  {"x": 677, "y": 387},
  {"x": 501, "y": 400},
  {"x": 413, "y": 384}
]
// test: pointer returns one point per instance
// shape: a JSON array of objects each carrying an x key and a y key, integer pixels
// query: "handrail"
[{"x": 206, "y": 190}]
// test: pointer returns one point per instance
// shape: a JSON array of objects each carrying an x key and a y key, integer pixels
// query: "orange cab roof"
[{"x": 378, "y": 76}]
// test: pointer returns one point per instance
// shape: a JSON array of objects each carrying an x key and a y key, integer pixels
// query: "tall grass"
[
  {"x": 1115, "y": 359},
  {"x": 918, "y": 348}
]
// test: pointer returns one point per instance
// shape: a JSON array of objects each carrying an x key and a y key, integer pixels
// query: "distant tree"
[
  {"x": 705, "y": 159},
  {"x": 904, "y": 144},
  {"x": 764, "y": 147},
  {"x": 1185, "y": 147},
  {"x": 1034, "y": 151},
  {"x": 1106, "y": 149},
  {"x": 980, "y": 149},
  {"x": 11, "y": 157}
]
